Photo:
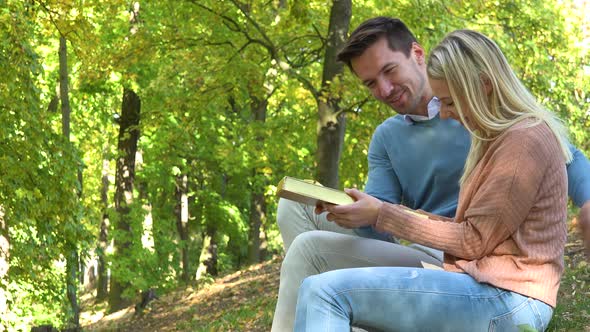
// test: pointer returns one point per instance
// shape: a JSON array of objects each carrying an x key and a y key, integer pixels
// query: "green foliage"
[
  {"x": 139, "y": 268},
  {"x": 34, "y": 307},
  {"x": 38, "y": 191}
]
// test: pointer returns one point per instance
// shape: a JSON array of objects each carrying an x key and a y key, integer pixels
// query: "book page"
[
  {"x": 431, "y": 266},
  {"x": 307, "y": 192}
]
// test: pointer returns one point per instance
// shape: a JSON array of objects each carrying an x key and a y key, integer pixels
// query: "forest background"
[{"x": 141, "y": 141}]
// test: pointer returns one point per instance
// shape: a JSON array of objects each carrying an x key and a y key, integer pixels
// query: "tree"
[
  {"x": 331, "y": 118},
  {"x": 72, "y": 255},
  {"x": 102, "y": 284},
  {"x": 182, "y": 223},
  {"x": 36, "y": 195},
  {"x": 258, "y": 183},
  {"x": 125, "y": 177}
]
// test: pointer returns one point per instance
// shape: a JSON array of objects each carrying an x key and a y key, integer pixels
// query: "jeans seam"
[
  {"x": 535, "y": 310},
  {"x": 511, "y": 312},
  {"x": 413, "y": 291},
  {"x": 339, "y": 294}
]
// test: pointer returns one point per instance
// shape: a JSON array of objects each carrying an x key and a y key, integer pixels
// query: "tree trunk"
[
  {"x": 257, "y": 216},
  {"x": 331, "y": 121},
  {"x": 63, "y": 87},
  {"x": 103, "y": 281},
  {"x": 182, "y": 223},
  {"x": 72, "y": 258},
  {"x": 81, "y": 263},
  {"x": 211, "y": 252},
  {"x": 72, "y": 262},
  {"x": 257, "y": 202},
  {"x": 147, "y": 237},
  {"x": 4, "y": 264},
  {"x": 124, "y": 178}
]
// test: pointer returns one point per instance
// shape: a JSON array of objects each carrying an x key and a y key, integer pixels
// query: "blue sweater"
[{"x": 419, "y": 165}]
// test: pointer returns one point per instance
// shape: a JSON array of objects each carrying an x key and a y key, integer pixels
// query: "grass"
[{"x": 573, "y": 302}]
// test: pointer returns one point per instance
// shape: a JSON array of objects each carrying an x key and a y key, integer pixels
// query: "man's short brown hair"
[{"x": 399, "y": 38}]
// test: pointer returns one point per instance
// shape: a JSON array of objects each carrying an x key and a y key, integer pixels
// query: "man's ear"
[{"x": 419, "y": 53}]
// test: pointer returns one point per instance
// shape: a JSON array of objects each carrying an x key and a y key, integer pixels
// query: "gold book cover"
[{"x": 307, "y": 192}]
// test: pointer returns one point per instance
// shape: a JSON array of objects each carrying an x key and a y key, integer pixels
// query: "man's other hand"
[{"x": 584, "y": 225}]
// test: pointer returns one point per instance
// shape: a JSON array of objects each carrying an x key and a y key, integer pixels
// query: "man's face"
[{"x": 393, "y": 78}]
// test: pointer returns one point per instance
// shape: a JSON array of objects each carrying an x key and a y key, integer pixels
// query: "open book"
[{"x": 310, "y": 193}]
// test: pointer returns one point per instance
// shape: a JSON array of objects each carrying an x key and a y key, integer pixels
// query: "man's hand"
[
  {"x": 321, "y": 207},
  {"x": 363, "y": 212},
  {"x": 584, "y": 224}
]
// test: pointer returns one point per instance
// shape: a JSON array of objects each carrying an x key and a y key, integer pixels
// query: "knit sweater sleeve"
[
  {"x": 578, "y": 177},
  {"x": 382, "y": 181},
  {"x": 496, "y": 199}
]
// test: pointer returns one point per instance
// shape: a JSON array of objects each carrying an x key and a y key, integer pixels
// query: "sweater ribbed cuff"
[{"x": 399, "y": 223}]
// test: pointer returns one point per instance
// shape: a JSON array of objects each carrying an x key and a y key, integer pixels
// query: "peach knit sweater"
[{"x": 509, "y": 229}]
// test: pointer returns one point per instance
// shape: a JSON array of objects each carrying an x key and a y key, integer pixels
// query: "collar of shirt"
[{"x": 433, "y": 109}]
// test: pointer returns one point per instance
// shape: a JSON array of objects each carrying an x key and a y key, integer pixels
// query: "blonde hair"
[{"x": 472, "y": 64}]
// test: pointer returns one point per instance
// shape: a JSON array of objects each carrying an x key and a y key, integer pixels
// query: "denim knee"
[
  {"x": 305, "y": 289},
  {"x": 316, "y": 290},
  {"x": 311, "y": 289}
]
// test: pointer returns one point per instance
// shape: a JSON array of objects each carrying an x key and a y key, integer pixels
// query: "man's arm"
[
  {"x": 578, "y": 176},
  {"x": 382, "y": 181}
]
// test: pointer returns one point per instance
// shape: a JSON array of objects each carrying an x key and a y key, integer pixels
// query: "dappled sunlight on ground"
[
  {"x": 92, "y": 314},
  {"x": 189, "y": 308}
]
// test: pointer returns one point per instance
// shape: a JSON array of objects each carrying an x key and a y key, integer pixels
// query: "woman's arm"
[{"x": 494, "y": 202}]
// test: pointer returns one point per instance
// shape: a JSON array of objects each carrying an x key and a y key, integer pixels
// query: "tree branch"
[
  {"x": 50, "y": 13},
  {"x": 265, "y": 42},
  {"x": 270, "y": 47},
  {"x": 225, "y": 17},
  {"x": 355, "y": 107}
]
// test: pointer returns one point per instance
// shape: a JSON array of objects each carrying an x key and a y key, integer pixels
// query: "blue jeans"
[{"x": 412, "y": 299}]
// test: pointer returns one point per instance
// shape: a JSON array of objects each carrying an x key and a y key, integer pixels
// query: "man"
[{"x": 415, "y": 159}]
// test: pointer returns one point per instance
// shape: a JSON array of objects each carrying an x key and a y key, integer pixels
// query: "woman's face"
[{"x": 440, "y": 89}]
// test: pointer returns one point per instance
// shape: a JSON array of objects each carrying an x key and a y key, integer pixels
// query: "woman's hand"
[{"x": 363, "y": 212}]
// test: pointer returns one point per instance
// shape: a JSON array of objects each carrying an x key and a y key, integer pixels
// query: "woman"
[{"x": 504, "y": 248}]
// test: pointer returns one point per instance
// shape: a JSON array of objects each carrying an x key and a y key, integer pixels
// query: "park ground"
[{"x": 245, "y": 300}]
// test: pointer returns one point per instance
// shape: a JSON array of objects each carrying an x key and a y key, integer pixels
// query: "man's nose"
[
  {"x": 385, "y": 88},
  {"x": 444, "y": 114}
]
